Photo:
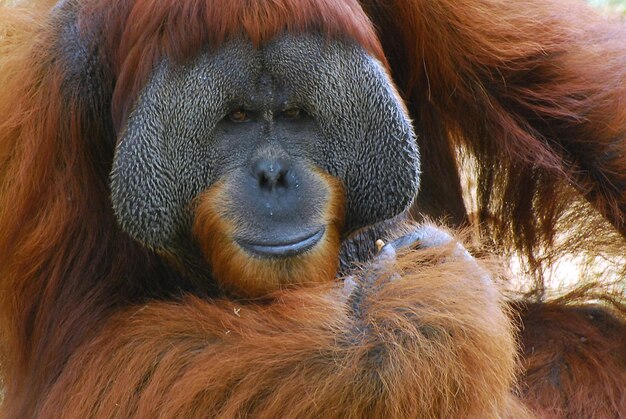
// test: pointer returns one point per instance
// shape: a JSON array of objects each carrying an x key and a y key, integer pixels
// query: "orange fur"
[
  {"x": 94, "y": 325},
  {"x": 574, "y": 360},
  {"x": 245, "y": 275},
  {"x": 436, "y": 343},
  {"x": 143, "y": 34},
  {"x": 534, "y": 91}
]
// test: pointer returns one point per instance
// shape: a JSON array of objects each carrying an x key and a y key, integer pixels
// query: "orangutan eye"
[
  {"x": 292, "y": 113},
  {"x": 239, "y": 115}
]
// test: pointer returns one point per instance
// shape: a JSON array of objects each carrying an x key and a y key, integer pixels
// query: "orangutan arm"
[{"x": 428, "y": 337}]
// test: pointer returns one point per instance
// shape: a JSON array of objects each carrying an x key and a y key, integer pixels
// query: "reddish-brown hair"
[
  {"x": 60, "y": 254},
  {"x": 533, "y": 90},
  {"x": 446, "y": 351},
  {"x": 573, "y": 358},
  {"x": 140, "y": 34}
]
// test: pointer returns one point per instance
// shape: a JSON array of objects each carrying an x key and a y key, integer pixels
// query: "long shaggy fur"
[
  {"x": 535, "y": 91},
  {"x": 94, "y": 324},
  {"x": 574, "y": 358},
  {"x": 447, "y": 350}
]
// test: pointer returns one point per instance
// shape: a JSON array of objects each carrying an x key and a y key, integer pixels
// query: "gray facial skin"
[{"x": 310, "y": 103}]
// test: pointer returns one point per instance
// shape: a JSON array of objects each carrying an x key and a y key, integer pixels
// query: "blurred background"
[{"x": 615, "y": 5}]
